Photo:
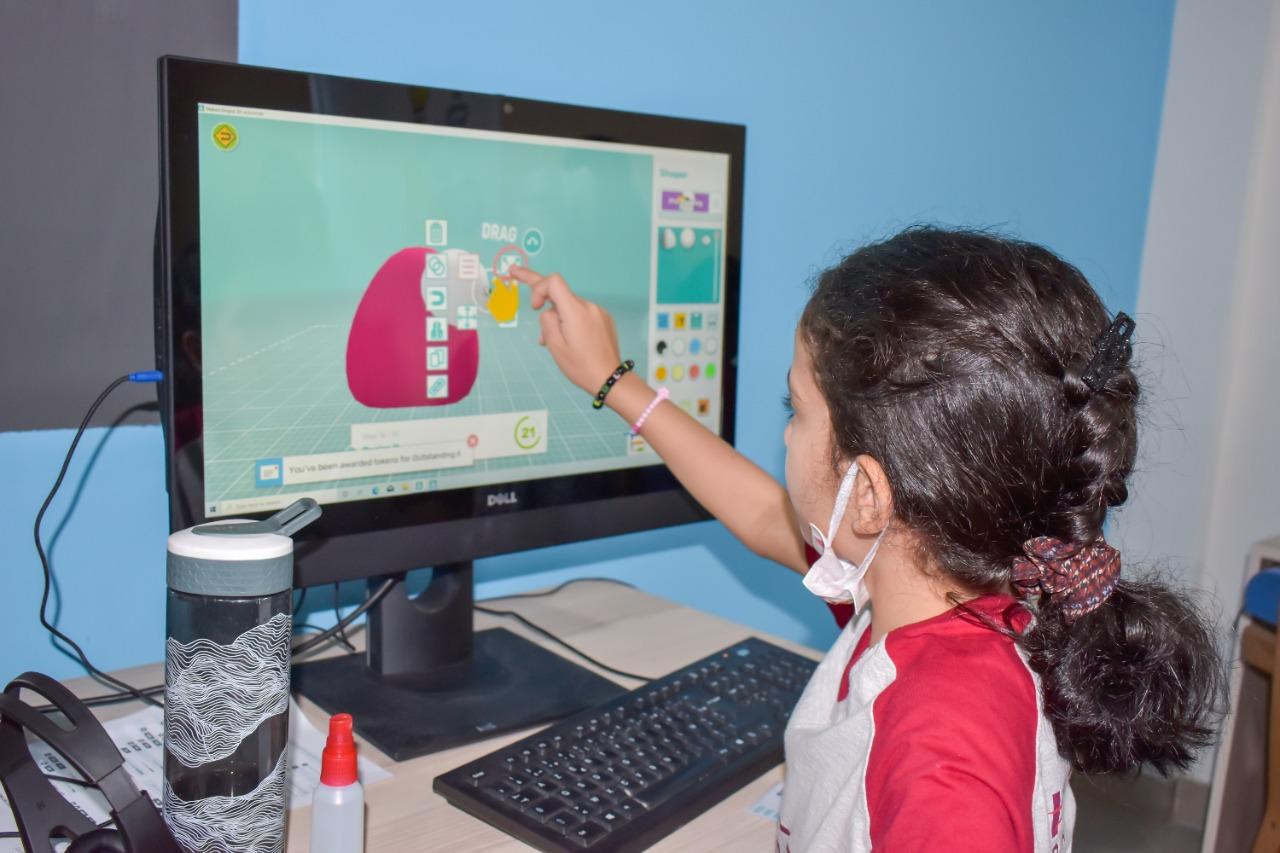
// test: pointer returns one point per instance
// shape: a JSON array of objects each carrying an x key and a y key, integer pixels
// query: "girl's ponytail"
[{"x": 1128, "y": 668}]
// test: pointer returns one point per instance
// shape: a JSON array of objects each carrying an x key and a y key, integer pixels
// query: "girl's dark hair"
[{"x": 955, "y": 359}]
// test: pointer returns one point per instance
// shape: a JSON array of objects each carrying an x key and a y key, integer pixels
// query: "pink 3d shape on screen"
[{"x": 413, "y": 340}]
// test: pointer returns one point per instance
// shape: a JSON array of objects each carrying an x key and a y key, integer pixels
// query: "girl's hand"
[
  {"x": 580, "y": 334},
  {"x": 584, "y": 343}
]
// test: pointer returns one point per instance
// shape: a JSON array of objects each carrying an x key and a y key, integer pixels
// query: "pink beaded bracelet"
[{"x": 662, "y": 394}]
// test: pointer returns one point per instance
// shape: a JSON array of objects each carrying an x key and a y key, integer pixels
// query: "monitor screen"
[
  {"x": 335, "y": 319},
  {"x": 360, "y": 337}
]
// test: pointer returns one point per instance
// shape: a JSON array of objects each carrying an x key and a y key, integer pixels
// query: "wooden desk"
[{"x": 623, "y": 627}]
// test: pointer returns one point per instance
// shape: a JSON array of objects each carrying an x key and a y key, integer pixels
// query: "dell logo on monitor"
[{"x": 502, "y": 499}]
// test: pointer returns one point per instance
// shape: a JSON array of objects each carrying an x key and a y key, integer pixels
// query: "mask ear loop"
[
  {"x": 875, "y": 546},
  {"x": 841, "y": 506},
  {"x": 861, "y": 595}
]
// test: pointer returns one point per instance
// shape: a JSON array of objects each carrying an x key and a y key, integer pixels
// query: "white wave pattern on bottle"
[
  {"x": 249, "y": 823},
  {"x": 216, "y": 695}
]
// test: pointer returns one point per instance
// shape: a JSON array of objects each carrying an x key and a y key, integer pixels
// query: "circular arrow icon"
[{"x": 225, "y": 137}]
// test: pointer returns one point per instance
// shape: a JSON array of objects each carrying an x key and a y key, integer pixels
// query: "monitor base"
[{"x": 509, "y": 683}]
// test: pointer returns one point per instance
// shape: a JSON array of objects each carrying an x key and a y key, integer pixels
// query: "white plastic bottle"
[{"x": 337, "y": 807}]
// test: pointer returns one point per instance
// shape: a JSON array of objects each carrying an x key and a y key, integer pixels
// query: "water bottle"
[{"x": 226, "y": 711}]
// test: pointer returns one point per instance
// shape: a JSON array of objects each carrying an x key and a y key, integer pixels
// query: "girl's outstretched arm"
[{"x": 584, "y": 343}]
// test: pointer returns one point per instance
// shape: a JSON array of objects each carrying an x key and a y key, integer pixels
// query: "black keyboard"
[{"x": 623, "y": 775}]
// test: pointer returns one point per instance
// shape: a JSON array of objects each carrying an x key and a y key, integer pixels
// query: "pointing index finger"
[
  {"x": 537, "y": 284},
  {"x": 524, "y": 274},
  {"x": 552, "y": 287}
]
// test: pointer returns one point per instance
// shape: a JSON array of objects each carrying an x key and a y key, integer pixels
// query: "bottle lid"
[
  {"x": 257, "y": 546},
  {"x": 338, "y": 763}
]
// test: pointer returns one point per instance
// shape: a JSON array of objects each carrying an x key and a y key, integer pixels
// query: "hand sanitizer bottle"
[{"x": 337, "y": 807}]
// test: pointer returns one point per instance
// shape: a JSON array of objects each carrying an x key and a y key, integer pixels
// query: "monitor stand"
[{"x": 428, "y": 681}]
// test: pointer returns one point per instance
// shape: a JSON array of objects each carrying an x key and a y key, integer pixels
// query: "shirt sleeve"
[
  {"x": 935, "y": 805},
  {"x": 952, "y": 764}
]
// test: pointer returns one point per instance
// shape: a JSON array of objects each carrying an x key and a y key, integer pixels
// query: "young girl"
[{"x": 963, "y": 416}]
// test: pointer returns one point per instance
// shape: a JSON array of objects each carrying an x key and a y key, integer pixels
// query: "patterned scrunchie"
[{"x": 1079, "y": 576}]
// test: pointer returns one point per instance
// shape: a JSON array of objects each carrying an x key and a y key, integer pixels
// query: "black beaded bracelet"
[{"x": 598, "y": 402}]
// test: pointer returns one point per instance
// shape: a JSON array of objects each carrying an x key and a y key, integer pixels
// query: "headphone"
[{"x": 41, "y": 812}]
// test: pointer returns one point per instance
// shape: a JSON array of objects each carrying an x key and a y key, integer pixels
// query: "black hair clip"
[{"x": 1112, "y": 353}]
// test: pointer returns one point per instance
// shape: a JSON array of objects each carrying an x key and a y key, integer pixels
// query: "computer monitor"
[{"x": 334, "y": 320}]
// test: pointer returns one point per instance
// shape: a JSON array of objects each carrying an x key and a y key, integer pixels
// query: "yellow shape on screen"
[{"x": 504, "y": 300}]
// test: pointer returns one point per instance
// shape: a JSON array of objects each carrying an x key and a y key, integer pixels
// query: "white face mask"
[{"x": 830, "y": 577}]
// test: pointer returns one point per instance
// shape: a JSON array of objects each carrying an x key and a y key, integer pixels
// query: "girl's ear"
[{"x": 871, "y": 505}]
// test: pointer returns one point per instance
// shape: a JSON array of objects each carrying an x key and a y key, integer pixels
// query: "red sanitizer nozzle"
[{"x": 338, "y": 765}]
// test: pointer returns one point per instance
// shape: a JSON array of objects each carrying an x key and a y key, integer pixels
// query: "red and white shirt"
[{"x": 932, "y": 739}]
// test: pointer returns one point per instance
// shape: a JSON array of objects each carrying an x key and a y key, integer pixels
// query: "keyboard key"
[
  {"x": 564, "y": 821},
  {"x": 629, "y": 809},
  {"x": 499, "y": 791},
  {"x": 643, "y": 779},
  {"x": 587, "y": 833},
  {"x": 658, "y": 793},
  {"x": 542, "y": 809}
]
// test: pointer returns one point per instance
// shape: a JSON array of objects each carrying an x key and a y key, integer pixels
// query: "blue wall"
[{"x": 862, "y": 117}]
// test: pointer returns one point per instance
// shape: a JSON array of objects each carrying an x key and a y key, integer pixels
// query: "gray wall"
[{"x": 78, "y": 194}]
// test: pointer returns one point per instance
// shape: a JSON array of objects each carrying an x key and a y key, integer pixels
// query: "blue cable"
[{"x": 146, "y": 376}]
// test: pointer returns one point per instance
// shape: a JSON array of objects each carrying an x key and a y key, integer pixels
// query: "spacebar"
[{"x": 656, "y": 794}]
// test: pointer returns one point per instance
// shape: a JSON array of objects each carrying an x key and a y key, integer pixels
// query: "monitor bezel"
[{"x": 443, "y": 526}]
